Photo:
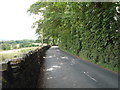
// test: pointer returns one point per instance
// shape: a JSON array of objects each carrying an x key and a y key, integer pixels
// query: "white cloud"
[{"x": 15, "y": 23}]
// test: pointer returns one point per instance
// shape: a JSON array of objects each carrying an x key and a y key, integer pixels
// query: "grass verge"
[{"x": 103, "y": 65}]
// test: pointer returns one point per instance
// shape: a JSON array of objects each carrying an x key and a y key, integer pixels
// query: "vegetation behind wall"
[{"x": 15, "y": 44}]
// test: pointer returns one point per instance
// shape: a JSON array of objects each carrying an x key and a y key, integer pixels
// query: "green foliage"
[
  {"x": 15, "y": 44},
  {"x": 81, "y": 28},
  {"x": 5, "y": 46}
]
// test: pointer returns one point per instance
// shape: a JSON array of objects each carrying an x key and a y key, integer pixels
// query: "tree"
[{"x": 87, "y": 29}]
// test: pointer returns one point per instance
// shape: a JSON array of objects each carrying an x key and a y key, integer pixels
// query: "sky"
[{"x": 15, "y": 22}]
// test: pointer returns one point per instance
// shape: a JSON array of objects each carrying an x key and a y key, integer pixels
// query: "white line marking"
[{"x": 86, "y": 73}]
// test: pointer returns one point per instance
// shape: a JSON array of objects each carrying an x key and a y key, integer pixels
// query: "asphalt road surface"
[{"x": 66, "y": 71}]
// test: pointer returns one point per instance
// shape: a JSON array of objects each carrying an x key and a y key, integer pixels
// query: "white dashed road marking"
[{"x": 86, "y": 73}]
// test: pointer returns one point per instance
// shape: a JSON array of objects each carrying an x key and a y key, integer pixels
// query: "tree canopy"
[{"x": 82, "y": 28}]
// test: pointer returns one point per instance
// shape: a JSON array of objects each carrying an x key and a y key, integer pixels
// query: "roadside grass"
[
  {"x": 15, "y": 53},
  {"x": 103, "y": 65}
]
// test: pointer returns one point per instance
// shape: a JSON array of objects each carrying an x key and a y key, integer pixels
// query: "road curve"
[{"x": 66, "y": 71}]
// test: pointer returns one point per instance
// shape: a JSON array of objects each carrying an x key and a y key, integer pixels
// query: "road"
[{"x": 62, "y": 70}]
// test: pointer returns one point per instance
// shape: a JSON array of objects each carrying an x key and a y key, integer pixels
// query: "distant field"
[{"x": 11, "y": 54}]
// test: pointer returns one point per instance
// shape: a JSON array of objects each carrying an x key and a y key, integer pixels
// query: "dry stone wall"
[{"x": 24, "y": 72}]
